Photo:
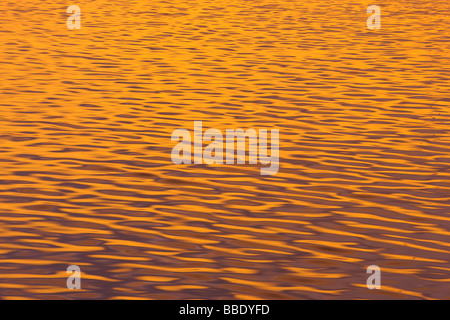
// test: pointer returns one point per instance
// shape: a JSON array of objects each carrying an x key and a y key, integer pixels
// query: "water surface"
[{"x": 86, "y": 176}]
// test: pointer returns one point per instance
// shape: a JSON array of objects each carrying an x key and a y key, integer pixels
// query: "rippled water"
[{"x": 87, "y": 179}]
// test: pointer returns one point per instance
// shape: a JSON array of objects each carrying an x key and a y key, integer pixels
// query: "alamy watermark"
[
  {"x": 214, "y": 152},
  {"x": 74, "y": 21},
  {"x": 374, "y": 281},
  {"x": 74, "y": 280},
  {"x": 374, "y": 21}
]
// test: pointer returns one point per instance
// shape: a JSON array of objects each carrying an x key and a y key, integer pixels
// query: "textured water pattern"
[{"x": 87, "y": 179}]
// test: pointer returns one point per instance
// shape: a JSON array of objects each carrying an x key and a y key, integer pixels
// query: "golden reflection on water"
[{"x": 86, "y": 118}]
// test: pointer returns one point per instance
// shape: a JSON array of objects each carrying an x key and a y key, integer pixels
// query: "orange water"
[{"x": 87, "y": 179}]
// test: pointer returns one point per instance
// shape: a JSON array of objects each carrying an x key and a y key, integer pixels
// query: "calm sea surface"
[{"x": 86, "y": 176}]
